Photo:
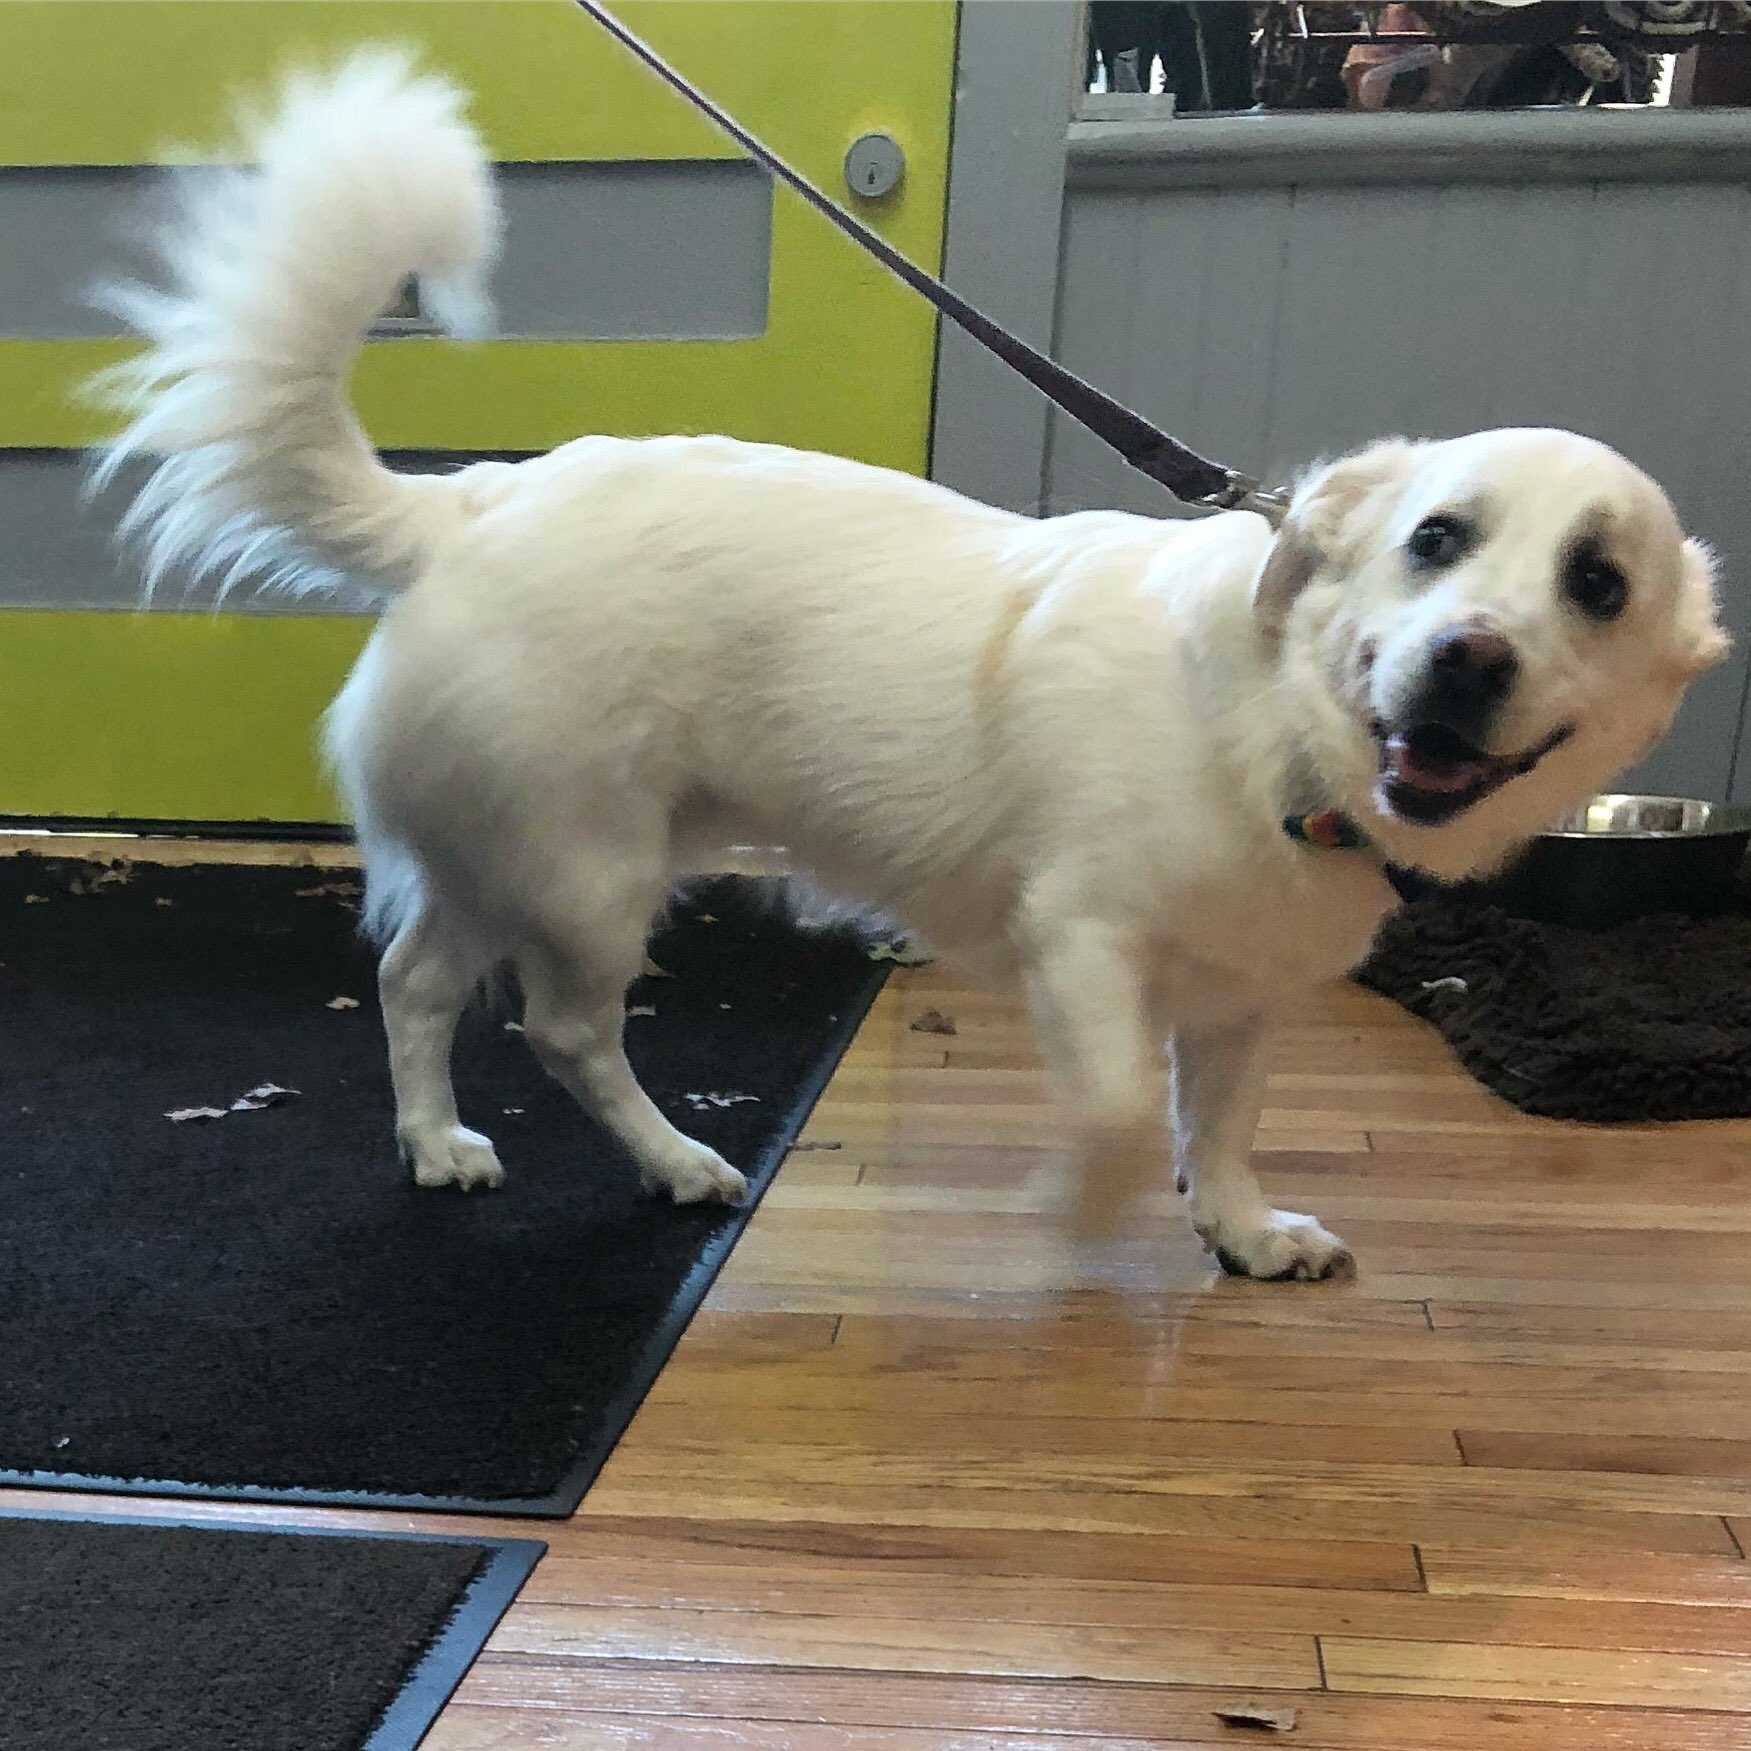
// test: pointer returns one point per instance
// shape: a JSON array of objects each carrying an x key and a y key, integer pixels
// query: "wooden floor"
[{"x": 909, "y": 1483}]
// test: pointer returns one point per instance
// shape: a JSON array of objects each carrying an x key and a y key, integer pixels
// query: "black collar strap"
[{"x": 1187, "y": 475}]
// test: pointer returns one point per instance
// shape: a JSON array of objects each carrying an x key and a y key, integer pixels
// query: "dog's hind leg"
[
  {"x": 425, "y": 982},
  {"x": 574, "y": 989}
]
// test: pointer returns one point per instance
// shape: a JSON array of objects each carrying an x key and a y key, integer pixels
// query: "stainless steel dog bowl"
[{"x": 1622, "y": 857}]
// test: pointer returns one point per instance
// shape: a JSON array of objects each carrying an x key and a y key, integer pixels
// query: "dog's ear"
[
  {"x": 1702, "y": 641},
  {"x": 1332, "y": 510}
]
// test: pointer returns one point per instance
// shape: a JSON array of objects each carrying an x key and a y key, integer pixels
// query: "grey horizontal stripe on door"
[
  {"x": 59, "y": 551},
  {"x": 658, "y": 250}
]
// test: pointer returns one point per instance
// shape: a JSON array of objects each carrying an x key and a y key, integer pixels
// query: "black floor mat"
[
  {"x": 1647, "y": 1020},
  {"x": 134, "y": 1635},
  {"x": 263, "y": 1304}
]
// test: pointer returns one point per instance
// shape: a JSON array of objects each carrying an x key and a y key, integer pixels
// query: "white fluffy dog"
[{"x": 1064, "y": 750}]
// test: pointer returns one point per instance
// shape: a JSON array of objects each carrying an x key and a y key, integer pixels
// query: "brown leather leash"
[{"x": 1192, "y": 478}]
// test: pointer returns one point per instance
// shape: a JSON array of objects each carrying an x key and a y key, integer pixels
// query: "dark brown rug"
[{"x": 1647, "y": 1020}]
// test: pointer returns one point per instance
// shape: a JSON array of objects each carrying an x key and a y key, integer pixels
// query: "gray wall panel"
[
  {"x": 668, "y": 251},
  {"x": 1013, "y": 88},
  {"x": 1741, "y": 787},
  {"x": 665, "y": 251},
  {"x": 1478, "y": 147}
]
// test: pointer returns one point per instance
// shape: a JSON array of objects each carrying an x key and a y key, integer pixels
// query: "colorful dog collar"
[{"x": 1330, "y": 829}]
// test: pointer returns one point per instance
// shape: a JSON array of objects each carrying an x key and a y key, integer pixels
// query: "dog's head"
[{"x": 1478, "y": 634}]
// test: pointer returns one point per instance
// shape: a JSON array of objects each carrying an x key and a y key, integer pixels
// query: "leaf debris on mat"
[
  {"x": 264, "y": 1094},
  {"x": 1259, "y": 1720},
  {"x": 258, "y": 1099},
  {"x": 113, "y": 875},
  {"x": 715, "y": 1098},
  {"x": 933, "y": 1021},
  {"x": 342, "y": 1003},
  {"x": 901, "y": 951},
  {"x": 642, "y": 1009},
  {"x": 1451, "y": 983},
  {"x": 650, "y": 970}
]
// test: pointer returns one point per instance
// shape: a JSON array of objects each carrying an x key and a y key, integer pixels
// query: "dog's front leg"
[
  {"x": 1085, "y": 992},
  {"x": 1218, "y": 1090}
]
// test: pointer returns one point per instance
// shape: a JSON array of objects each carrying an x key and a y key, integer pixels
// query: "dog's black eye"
[
  {"x": 1594, "y": 584},
  {"x": 1438, "y": 541}
]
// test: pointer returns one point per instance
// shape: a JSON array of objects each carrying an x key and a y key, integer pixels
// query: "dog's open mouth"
[{"x": 1430, "y": 774}]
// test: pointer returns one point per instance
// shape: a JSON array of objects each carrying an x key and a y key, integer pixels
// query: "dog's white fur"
[{"x": 1061, "y": 749}]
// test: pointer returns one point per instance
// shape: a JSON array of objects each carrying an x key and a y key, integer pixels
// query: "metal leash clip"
[{"x": 1242, "y": 493}]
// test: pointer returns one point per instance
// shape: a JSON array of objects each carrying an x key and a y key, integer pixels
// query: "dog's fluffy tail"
[{"x": 357, "y": 179}]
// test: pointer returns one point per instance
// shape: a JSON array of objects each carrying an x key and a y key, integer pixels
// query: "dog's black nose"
[{"x": 1470, "y": 671}]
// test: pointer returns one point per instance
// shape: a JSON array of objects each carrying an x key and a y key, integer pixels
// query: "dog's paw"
[
  {"x": 1280, "y": 1246},
  {"x": 697, "y": 1176},
  {"x": 453, "y": 1157}
]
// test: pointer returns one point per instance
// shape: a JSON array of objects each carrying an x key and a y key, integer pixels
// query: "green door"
[{"x": 209, "y": 716}]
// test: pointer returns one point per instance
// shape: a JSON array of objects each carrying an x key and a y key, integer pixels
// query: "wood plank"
[
  {"x": 1423, "y": 1353},
  {"x": 863, "y": 1590},
  {"x": 866, "y": 1432},
  {"x": 1674, "y": 1294},
  {"x": 466, "y": 1727},
  {"x": 1574, "y": 1168},
  {"x": 1157, "y": 1715},
  {"x": 1165, "y": 1472},
  {"x": 1680, "y": 1328},
  {"x": 1648, "y": 1455},
  {"x": 1517, "y": 1205},
  {"x": 628, "y": 1489},
  {"x": 1504, "y": 1248},
  {"x": 1225, "y": 1302},
  {"x": 1518, "y": 1674},
  {"x": 1589, "y": 1574},
  {"x": 726, "y": 1333},
  {"x": 1249, "y": 1659},
  {"x": 1596, "y": 1401},
  {"x": 1585, "y": 1148},
  {"x": 135, "y": 848},
  {"x": 799, "y": 1550},
  {"x": 1005, "y": 1251}
]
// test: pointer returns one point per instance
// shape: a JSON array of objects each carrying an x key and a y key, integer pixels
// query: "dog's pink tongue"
[{"x": 1427, "y": 771}]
